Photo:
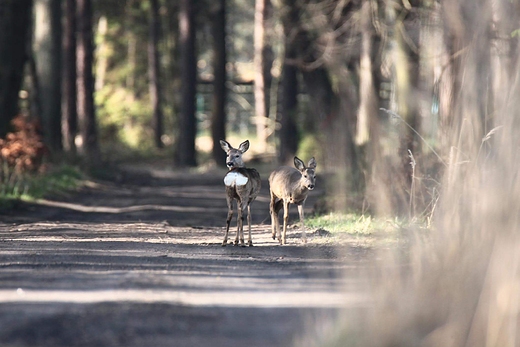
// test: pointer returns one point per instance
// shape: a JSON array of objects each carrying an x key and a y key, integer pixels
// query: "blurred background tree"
[{"x": 15, "y": 25}]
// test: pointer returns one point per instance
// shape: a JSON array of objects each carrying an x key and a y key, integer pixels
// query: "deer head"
[
  {"x": 308, "y": 178},
  {"x": 234, "y": 155}
]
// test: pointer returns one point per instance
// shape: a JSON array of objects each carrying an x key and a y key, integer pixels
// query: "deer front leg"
[
  {"x": 302, "y": 223},
  {"x": 228, "y": 220},
  {"x": 283, "y": 241},
  {"x": 250, "y": 241}
]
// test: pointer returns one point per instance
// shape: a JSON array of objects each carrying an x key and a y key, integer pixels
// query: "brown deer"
[
  {"x": 242, "y": 185},
  {"x": 290, "y": 186}
]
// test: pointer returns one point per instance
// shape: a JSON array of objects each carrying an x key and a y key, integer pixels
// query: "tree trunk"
[
  {"x": 261, "y": 79},
  {"x": 406, "y": 68},
  {"x": 85, "y": 84},
  {"x": 15, "y": 19},
  {"x": 288, "y": 132},
  {"x": 68, "y": 102},
  {"x": 218, "y": 118},
  {"x": 368, "y": 125},
  {"x": 47, "y": 49},
  {"x": 172, "y": 84},
  {"x": 185, "y": 151},
  {"x": 367, "y": 93},
  {"x": 154, "y": 73}
]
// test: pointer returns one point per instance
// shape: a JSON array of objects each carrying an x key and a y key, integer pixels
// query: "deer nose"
[
  {"x": 229, "y": 164},
  {"x": 310, "y": 186}
]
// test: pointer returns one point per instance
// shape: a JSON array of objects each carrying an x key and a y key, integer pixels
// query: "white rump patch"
[{"x": 235, "y": 179}]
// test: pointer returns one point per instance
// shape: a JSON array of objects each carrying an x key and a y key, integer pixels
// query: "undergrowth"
[
  {"x": 57, "y": 180},
  {"x": 354, "y": 224},
  {"x": 24, "y": 171}
]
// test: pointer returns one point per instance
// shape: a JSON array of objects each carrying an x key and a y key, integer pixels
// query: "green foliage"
[
  {"x": 29, "y": 186},
  {"x": 123, "y": 119}
]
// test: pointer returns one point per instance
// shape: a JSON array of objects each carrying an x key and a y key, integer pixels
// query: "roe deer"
[
  {"x": 242, "y": 185},
  {"x": 290, "y": 186}
]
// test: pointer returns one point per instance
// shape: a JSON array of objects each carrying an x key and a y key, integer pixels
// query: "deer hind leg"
[
  {"x": 250, "y": 240},
  {"x": 302, "y": 223},
  {"x": 283, "y": 241},
  {"x": 240, "y": 222},
  {"x": 274, "y": 208},
  {"x": 228, "y": 220}
]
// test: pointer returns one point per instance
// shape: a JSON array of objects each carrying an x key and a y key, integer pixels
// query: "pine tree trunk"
[
  {"x": 218, "y": 118},
  {"x": 154, "y": 73},
  {"x": 47, "y": 50},
  {"x": 68, "y": 103},
  {"x": 288, "y": 132},
  {"x": 260, "y": 88},
  {"x": 185, "y": 151},
  {"x": 15, "y": 19},
  {"x": 85, "y": 83},
  {"x": 367, "y": 93}
]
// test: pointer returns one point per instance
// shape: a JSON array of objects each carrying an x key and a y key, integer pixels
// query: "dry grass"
[{"x": 460, "y": 284}]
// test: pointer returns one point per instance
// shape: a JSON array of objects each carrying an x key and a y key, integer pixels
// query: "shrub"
[{"x": 21, "y": 154}]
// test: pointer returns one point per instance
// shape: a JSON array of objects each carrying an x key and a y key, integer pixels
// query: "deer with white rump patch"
[
  {"x": 242, "y": 185},
  {"x": 290, "y": 186}
]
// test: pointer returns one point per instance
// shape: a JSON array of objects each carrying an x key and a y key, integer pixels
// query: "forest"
[
  {"x": 410, "y": 107},
  {"x": 377, "y": 91}
]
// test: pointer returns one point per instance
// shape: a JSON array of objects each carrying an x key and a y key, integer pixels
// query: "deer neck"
[{"x": 299, "y": 191}]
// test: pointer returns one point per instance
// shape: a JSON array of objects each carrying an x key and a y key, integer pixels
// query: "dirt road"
[{"x": 140, "y": 264}]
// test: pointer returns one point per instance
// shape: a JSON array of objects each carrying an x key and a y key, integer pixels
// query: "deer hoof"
[
  {"x": 224, "y": 244},
  {"x": 250, "y": 243}
]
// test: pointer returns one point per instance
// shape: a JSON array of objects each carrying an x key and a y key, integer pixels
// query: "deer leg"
[
  {"x": 274, "y": 216},
  {"x": 277, "y": 207},
  {"x": 250, "y": 241},
  {"x": 240, "y": 208},
  {"x": 238, "y": 222},
  {"x": 228, "y": 220},
  {"x": 283, "y": 241},
  {"x": 302, "y": 224}
]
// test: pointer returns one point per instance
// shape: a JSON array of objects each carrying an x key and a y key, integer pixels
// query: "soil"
[{"x": 140, "y": 263}]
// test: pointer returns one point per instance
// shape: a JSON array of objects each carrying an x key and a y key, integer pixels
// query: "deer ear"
[
  {"x": 299, "y": 164},
  {"x": 225, "y": 146},
  {"x": 244, "y": 146},
  {"x": 312, "y": 164}
]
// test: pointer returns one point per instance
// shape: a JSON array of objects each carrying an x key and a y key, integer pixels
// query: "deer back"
[{"x": 286, "y": 183}]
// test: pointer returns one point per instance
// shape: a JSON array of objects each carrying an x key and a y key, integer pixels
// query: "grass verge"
[
  {"x": 57, "y": 180},
  {"x": 362, "y": 229}
]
